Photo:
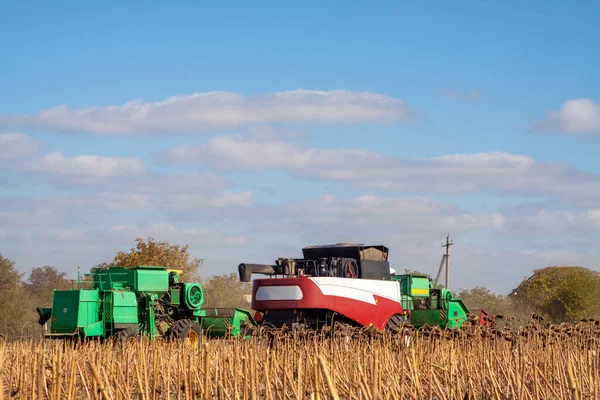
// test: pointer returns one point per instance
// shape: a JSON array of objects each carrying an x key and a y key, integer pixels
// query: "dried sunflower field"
[{"x": 551, "y": 362}]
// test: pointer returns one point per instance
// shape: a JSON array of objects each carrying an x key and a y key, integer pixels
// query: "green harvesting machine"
[
  {"x": 126, "y": 303},
  {"x": 428, "y": 304}
]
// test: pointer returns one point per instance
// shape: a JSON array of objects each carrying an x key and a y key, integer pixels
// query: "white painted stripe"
[
  {"x": 358, "y": 289},
  {"x": 268, "y": 293}
]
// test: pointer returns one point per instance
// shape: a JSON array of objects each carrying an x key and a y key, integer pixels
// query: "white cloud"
[
  {"x": 17, "y": 211},
  {"x": 60, "y": 235},
  {"x": 110, "y": 201},
  {"x": 196, "y": 236},
  {"x": 124, "y": 201},
  {"x": 187, "y": 200},
  {"x": 567, "y": 257},
  {"x": 20, "y": 152},
  {"x": 497, "y": 172},
  {"x": 180, "y": 182},
  {"x": 88, "y": 166},
  {"x": 218, "y": 110},
  {"x": 548, "y": 222},
  {"x": 187, "y": 191},
  {"x": 493, "y": 160},
  {"x": 14, "y": 146},
  {"x": 330, "y": 217},
  {"x": 196, "y": 201},
  {"x": 176, "y": 193},
  {"x": 594, "y": 215},
  {"x": 577, "y": 116},
  {"x": 232, "y": 199},
  {"x": 231, "y": 153}
]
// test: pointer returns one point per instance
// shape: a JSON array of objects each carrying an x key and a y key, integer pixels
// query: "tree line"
[{"x": 556, "y": 293}]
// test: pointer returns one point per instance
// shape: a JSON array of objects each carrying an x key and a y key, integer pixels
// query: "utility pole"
[{"x": 447, "y": 256}]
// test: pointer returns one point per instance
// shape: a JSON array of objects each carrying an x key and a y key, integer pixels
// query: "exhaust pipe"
[{"x": 246, "y": 270}]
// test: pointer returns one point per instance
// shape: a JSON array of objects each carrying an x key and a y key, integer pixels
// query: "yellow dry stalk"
[{"x": 548, "y": 364}]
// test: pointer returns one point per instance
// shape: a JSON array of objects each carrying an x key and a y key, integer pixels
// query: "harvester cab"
[{"x": 128, "y": 302}]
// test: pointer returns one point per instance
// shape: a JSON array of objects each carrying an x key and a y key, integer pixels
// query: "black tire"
[
  {"x": 186, "y": 331},
  {"x": 395, "y": 322},
  {"x": 126, "y": 336}
]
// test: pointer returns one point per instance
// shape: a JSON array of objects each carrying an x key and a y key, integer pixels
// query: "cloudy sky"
[{"x": 249, "y": 132}]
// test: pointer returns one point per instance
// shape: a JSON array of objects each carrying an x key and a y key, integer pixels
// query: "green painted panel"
[
  {"x": 65, "y": 306},
  {"x": 175, "y": 296},
  {"x": 193, "y": 295},
  {"x": 405, "y": 284},
  {"x": 414, "y": 285},
  {"x": 88, "y": 307},
  {"x": 72, "y": 309},
  {"x": 457, "y": 313},
  {"x": 242, "y": 318},
  {"x": 88, "y": 295},
  {"x": 419, "y": 286},
  {"x": 406, "y": 302},
  {"x": 143, "y": 279},
  {"x": 109, "y": 278},
  {"x": 419, "y": 318},
  {"x": 124, "y": 307},
  {"x": 95, "y": 329},
  {"x": 151, "y": 281}
]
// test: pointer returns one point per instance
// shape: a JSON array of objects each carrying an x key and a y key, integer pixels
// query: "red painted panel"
[{"x": 359, "y": 311}]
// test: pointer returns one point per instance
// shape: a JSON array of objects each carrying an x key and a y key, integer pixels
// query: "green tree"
[
  {"x": 42, "y": 282},
  {"x": 414, "y": 271},
  {"x": 17, "y": 308},
  {"x": 479, "y": 298},
  {"x": 151, "y": 252},
  {"x": 482, "y": 298},
  {"x": 10, "y": 290},
  {"x": 561, "y": 293},
  {"x": 226, "y": 291}
]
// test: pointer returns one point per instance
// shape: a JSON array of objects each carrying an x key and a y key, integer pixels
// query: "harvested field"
[{"x": 557, "y": 362}]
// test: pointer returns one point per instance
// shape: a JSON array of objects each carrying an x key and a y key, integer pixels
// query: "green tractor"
[{"x": 126, "y": 303}]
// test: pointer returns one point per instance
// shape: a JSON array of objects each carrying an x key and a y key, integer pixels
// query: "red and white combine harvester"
[{"x": 347, "y": 283}]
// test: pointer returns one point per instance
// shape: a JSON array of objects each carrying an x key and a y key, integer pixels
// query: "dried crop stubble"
[{"x": 541, "y": 363}]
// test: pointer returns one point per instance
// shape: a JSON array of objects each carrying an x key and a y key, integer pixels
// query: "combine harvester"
[
  {"x": 125, "y": 303},
  {"x": 351, "y": 284}
]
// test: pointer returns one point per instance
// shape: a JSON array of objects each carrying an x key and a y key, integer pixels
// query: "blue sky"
[{"x": 311, "y": 123}]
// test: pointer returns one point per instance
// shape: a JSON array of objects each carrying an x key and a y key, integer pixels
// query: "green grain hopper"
[{"x": 126, "y": 303}]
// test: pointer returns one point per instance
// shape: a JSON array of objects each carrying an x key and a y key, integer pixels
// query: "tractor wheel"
[
  {"x": 126, "y": 336},
  {"x": 186, "y": 331},
  {"x": 395, "y": 322}
]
